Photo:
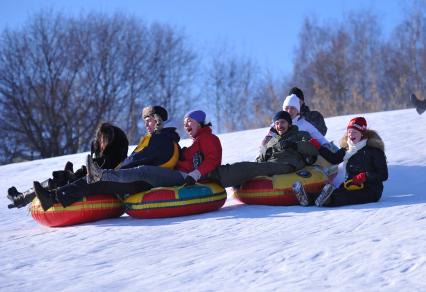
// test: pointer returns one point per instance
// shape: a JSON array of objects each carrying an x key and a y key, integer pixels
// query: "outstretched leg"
[
  {"x": 74, "y": 192},
  {"x": 59, "y": 178},
  {"x": 237, "y": 173}
]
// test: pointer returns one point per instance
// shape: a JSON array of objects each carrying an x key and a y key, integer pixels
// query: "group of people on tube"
[{"x": 294, "y": 140}]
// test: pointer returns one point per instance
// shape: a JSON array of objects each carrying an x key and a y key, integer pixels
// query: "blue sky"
[{"x": 266, "y": 31}]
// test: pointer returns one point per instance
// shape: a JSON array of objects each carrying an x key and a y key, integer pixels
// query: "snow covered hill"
[{"x": 372, "y": 247}]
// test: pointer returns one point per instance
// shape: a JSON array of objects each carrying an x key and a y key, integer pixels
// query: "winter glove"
[
  {"x": 288, "y": 145},
  {"x": 359, "y": 179},
  {"x": 189, "y": 181},
  {"x": 192, "y": 178},
  {"x": 315, "y": 143}
]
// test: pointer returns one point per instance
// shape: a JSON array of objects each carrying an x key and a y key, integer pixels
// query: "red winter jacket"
[{"x": 208, "y": 145}]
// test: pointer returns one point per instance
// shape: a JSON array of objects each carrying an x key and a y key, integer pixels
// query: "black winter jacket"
[
  {"x": 370, "y": 159},
  {"x": 155, "y": 149}
]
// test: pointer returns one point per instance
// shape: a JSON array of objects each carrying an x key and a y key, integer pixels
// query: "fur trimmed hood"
[{"x": 373, "y": 140}]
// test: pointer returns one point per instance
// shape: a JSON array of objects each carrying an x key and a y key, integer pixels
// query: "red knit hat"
[{"x": 358, "y": 123}]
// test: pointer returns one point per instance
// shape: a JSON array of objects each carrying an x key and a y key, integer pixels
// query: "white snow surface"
[{"x": 371, "y": 247}]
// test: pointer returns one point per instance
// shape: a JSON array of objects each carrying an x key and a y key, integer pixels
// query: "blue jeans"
[{"x": 154, "y": 175}]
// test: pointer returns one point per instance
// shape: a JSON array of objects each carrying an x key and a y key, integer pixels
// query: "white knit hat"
[{"x": 292, "y": 100}]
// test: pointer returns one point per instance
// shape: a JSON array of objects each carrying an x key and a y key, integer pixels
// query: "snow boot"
[
  {"x": 300, "y": 193},
  {"x": 45, "y": 197},
  {"x": 12, "y": 192},
  {"x": 18, "y": 199},
  {"x": 94, "y": 172},
  {"x": 325, "y": 195},
  {"x": 69, "y": 167},
  {"x": 419, "y": 104}
]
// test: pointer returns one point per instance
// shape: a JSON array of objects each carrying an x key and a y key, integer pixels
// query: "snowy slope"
[{"x": 238, "y": 248}]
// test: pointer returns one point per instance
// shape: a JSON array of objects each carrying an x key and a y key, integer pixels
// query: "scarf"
[{"x": 352, "y": 150}]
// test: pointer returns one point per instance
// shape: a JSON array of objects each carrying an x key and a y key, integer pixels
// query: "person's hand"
[
  {"x": 288, "y": 145},
  {"x": 192, "y": 178},
  {"x": 359, "y": 179},
  {"x": 315, "y": 143},
  {"x": 189, "y": 181}
]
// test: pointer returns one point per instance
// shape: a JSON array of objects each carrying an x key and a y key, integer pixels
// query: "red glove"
[
  {"x": 359, "y": 179},
  {"x": 315, "y": 143}
]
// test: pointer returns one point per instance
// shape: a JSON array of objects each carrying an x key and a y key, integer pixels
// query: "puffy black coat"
[
  {"x": 370, "y": 159},
  {"x": 158, "y": 148}
]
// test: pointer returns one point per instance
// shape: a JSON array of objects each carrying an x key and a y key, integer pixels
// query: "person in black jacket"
[
  {"x": 158, "y": 148},
  {"x": 108, "y": 149},
  {"x": 362, "y": 169},
  {"x": 314, "y": 117}
]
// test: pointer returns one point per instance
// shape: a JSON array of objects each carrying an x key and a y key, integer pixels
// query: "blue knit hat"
[{"x": 197, "y": 115}]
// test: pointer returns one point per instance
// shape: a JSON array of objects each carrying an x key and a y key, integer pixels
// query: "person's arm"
[
  {"x": 332, "y": 157},
  {"x": 271, "y": 133},
  {"x": 212, "y": 153},
  {"x": 315, "y": 133}
]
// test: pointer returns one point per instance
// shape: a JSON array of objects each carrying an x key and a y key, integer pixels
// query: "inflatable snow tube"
[
  {"x": 89, "y": 209},
  {"x": 176, "y": 201},
  {"x": 277, "y": 190}
]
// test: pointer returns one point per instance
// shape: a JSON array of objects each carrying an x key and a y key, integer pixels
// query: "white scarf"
[{"x": 353, "y": 149}]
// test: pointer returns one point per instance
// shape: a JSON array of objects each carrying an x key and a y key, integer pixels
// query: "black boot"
[
  {"x": 19, "y": 199},
  {"x": 69, "y": 167},
  {"x": 12, "y": 193},
  {"x": 300, "y": 193},
  {"x": 45, "y": 197},
  {"x": 419, "y": 104},
  {"x": 16, "y": 197}
]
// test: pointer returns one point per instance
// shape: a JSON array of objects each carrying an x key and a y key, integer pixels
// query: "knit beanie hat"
[
  {"x": 358, "y": 123},
  {"x": 155, "y": 110},
  {"x": 197, "y": 115},
  {"x": 292, "y": 100},
  {"x": 282, "y": 115},
  {"x": 298, "y": 92}
]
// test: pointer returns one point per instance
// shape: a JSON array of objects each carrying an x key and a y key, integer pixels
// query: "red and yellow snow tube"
[
  {"x": 90, "y": 209},
  {"x": 277, "y": 190},
  {"x": 176, "y": 201}
]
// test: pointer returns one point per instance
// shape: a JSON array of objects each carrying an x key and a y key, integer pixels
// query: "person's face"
[
  {"x": 292, "y": 111},
  {"x": 281, "y": 126},
  {"x": 354, "y": 135},
  {"x": 150, "y": 123},
  {"x": 191, "y": 127},
  {"x": 103, "y": 144}
]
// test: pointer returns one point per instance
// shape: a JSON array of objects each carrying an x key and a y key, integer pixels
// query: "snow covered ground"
[{"x": 373, "y": 247}]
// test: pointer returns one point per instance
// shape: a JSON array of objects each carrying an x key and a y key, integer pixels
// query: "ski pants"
[
  {"x": 235, "y": 174},
  {"x": 154, "y": 175},
  {"x": 75, "y": 191}
]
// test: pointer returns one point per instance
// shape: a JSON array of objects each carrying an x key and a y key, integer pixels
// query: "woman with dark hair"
[
  {"x": 110, "y": 146},
  {"x": 108, "y": 149}
]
